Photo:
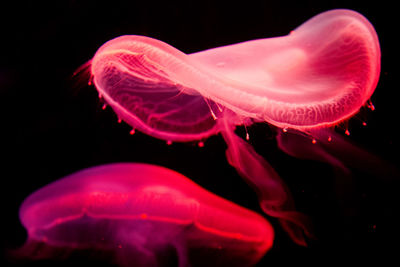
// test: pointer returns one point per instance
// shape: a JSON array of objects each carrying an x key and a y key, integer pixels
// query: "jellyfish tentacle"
[{"x": 274, "y": 197}]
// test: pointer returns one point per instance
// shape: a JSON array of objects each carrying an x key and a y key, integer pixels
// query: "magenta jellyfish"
[
  {"x": 316, "y": 77},
  {"x": 138, "y": 212}
]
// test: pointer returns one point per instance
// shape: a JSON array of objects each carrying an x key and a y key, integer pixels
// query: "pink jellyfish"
[
  {"x": 139, "y": 211},
  {"x": 319, "y": 75}
]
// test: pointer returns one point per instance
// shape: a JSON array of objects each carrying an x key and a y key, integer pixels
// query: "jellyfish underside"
[
  {"x": 139, "y": 212},
  {"x": 320, "y": 74}
]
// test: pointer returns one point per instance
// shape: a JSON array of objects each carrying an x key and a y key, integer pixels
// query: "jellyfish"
[
  {"x": 306, "y": 82},
  {"x": 143, "y": 215}
]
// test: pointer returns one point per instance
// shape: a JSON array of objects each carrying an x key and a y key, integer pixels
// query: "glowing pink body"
[
  {"x": 319, "y": 75},
  {"x": 140, "y": 208}
]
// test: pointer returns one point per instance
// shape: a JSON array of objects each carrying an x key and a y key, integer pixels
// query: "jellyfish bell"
[
  {"x": 139, "y": 211},
  {"x": 317, "y": 76},
  {"x": 320, "y": 74}
]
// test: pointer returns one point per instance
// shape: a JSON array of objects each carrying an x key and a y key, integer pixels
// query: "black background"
[{"x": 52, "y": 123}]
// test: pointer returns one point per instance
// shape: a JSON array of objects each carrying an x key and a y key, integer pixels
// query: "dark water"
[{"x": 52, "y": 124}]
